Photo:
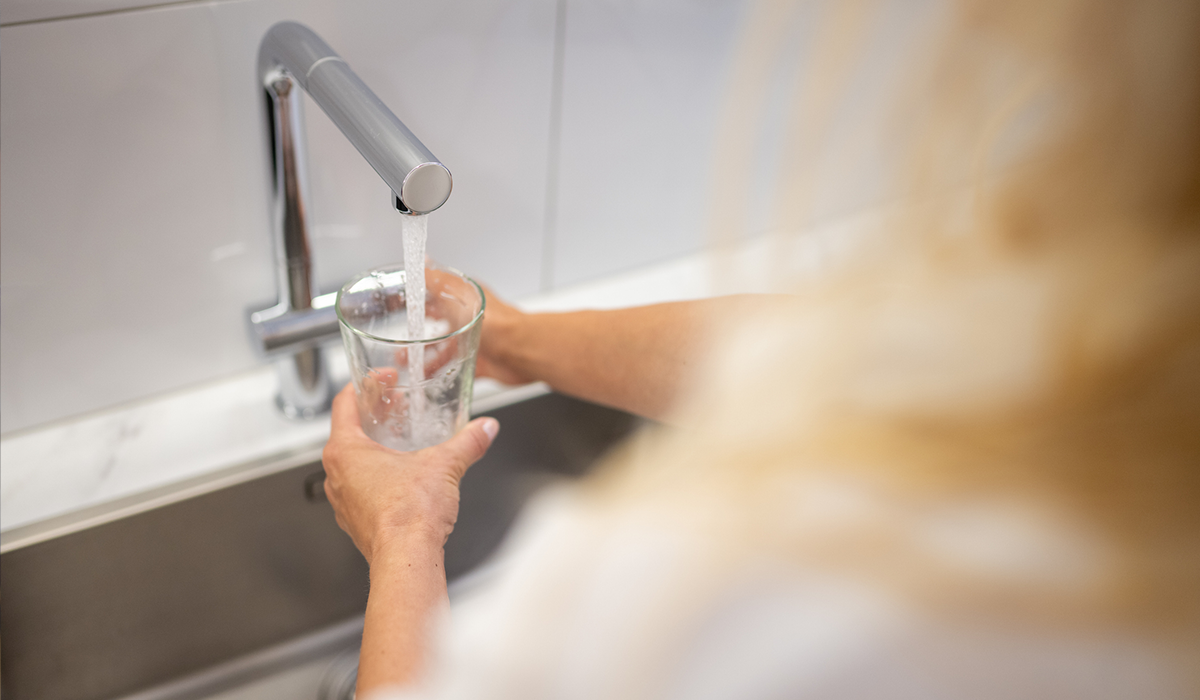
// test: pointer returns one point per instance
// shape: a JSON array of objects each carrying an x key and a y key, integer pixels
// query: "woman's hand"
[
  {"x": 399, "y": 508},
  {"x": 502, "y": 335},
  {"x": 381, "y": 495}
]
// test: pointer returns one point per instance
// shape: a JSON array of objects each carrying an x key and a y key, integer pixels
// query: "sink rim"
[{"x": 158, "y": 497}]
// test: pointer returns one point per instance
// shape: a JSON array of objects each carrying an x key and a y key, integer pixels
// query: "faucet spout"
[
  {"x": 293, "y": 330},
  {"x": 419, "y": 181}
]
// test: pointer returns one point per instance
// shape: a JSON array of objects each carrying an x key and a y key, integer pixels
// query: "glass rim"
[{"x": 399, "y": 267}]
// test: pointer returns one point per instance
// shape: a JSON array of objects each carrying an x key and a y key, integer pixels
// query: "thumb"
[{"x": 471, "y": 443}]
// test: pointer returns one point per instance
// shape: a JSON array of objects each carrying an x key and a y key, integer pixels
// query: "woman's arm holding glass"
[
  {"x": 636, "y": 359},
  {"x": 399, "y": 508}
]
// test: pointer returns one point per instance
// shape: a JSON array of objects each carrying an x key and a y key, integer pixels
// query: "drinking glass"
[{"x": 397, "y": 408}]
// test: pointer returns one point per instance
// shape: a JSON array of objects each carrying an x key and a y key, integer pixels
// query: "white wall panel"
[
  {"x": 648, "y": 88},
  {"x": 134, "y": 229},
  {"x": 133, "y": 214},
  {"x": 13, "y": 11},
  {"x": 642, "y": 82}
]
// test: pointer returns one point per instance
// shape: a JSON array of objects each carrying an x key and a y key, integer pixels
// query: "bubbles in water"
[{"x": 414, "y": 230}]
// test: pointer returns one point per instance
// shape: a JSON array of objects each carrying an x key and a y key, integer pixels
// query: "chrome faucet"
[{"x": 291, "y": 54}]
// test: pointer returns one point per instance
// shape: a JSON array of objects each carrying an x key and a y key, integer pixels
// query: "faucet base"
[
  {"x": 293, "y": 411},
  {"x": 305, "y": 391}
]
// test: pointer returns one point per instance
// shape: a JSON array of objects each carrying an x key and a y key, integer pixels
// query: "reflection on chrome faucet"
[{"x": 292, "y": 330}]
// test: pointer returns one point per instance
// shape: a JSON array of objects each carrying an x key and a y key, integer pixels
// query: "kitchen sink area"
[
  {"x": 238, "y": 583},
  {"x": 171, "y": 343},
  {"x": 180, "y": 546}
]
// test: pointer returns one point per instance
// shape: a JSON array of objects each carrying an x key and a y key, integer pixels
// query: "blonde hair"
[{"x": 1028, "y": 327}]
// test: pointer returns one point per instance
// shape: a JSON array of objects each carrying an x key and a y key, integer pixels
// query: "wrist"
[
  {"x": 415, "y": 543},
  {"x": 511, "y": 342}
]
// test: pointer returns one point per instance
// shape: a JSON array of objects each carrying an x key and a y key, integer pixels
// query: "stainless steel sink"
[{"x": 240, "y": 584}]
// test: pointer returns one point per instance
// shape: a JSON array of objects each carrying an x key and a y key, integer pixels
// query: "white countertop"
[{"x": 94, "y": 459}]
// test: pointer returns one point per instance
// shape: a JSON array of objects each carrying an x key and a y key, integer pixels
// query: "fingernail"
[{"x": 491, "y": 426}]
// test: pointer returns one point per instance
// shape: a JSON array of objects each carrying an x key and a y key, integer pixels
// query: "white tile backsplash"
[
  {"x": 642, "y": 82},
  {"x": 120, "y": 179},
  {"x": 13, "y": 11},
  {"x": 134, "y": 233},
  {"x": 134, "y": 214},
  {"x": 649, "y": 86}
]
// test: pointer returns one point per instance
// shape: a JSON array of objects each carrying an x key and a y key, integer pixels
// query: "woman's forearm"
[
  {"x": 408, "y": 594},
  {"x": 636, "y": 359}
]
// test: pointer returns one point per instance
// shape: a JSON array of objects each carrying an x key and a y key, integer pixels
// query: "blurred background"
[{"x": 134, "y": 222}]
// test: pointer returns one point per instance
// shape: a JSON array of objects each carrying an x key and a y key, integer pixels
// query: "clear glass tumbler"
[{"x": 397, "y": 408}]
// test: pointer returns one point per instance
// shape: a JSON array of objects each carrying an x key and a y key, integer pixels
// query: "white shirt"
[{"x": 631, "y": 603}]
